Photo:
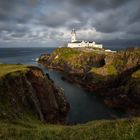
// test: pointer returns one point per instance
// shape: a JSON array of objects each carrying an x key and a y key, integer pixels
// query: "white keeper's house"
[{"x": 75, "y": 43}]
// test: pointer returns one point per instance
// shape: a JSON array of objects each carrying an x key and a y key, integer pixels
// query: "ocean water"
[
  {"x": 85, "y": 106},
  {"x": 21, "y": 55}
]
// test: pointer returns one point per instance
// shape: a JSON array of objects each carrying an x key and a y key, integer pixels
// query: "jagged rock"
[{"x": 32, "y": 92}]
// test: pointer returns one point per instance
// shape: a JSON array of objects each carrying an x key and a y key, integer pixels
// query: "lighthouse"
[
  {"x": 77, "y": 43},
  {"x": 73, "y": 36}
]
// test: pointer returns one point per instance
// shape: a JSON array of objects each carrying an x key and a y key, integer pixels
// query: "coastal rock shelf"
[
  {"x": 26, "y": 92},
  {"x": 115, "y": 76}
]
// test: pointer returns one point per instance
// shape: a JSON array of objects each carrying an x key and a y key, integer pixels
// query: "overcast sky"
[{"x": 49, "y": 22}]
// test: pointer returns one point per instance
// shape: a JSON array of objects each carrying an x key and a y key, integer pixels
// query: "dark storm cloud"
[
  {"x": 120, "y": 19},
  {"x": 20, "y": 32},
  {"x": 112, "y": 19},
  {"x": 97, "y": 4},
  {"x": 135, "y": 15},
  {"x": 117, "y": 15},
  {"x": 12, "y": 14},
  {"x": 100, "y": 4},
  {"x": 133, "y": 29},
  {"x": 53, "y": 19},
  {"x": 77, "y": 25},
  {"x": 110, "y": 22},
  {"x": 5, "y": 9},
  {"x": 66, "y": 19},
  {"x": 16, "y": 10},
  {"x": 13, "y": 27}
]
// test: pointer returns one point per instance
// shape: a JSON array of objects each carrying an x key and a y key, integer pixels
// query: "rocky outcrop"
[
  {"x": 72, "y": 60},
  {"x": 108, "y": 74},
  {"x": 126, "y": 94},
  {"x": 32, "y": 93}
]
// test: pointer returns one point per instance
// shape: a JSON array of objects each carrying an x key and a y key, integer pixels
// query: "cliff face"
[
  {"x": 108, "y": 74},
  {"x": 29, "y": 92}
]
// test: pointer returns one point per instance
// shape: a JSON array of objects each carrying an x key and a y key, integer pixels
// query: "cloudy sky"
[{"x": 49, "y": 22}]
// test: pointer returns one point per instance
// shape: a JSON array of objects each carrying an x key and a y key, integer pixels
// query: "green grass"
[
  {"x": 65, "y": 53},
  {"x": 73, "y": 57},
  {"x": 10, "y": 68},
  {"x": 111, "y": 70},
  {"x": 107, "y": 70},
  {"x": 136, "y": 74},
  {"x": 125, "y": 129}
]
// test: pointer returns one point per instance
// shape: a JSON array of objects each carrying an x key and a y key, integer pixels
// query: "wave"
[{"x": 35, "y": 59}]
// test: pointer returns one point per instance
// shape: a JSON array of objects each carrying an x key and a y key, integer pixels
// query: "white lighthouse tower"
[
  {"x": 77, "y": 43},
  {"x": 73, "y": 36}
]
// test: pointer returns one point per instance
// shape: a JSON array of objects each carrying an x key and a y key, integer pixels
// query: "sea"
[{"x": 85, "y": 106}]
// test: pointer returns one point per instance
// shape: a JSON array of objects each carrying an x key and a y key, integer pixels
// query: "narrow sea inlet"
[{"x": 85, "y": 106}]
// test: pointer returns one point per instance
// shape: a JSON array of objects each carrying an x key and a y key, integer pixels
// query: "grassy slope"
[
  {"x": 29, "y": 128},
  {"x": 136, "y": 74},
  {"x": 97, "y": 130},
  {"x": 6, "y": 68}
]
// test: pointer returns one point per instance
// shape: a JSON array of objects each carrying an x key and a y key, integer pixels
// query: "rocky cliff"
[
  {"x": 72, "y": 60},
  {"x": 112, "y": 75},
  {"x": 26, "y": 92}
]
